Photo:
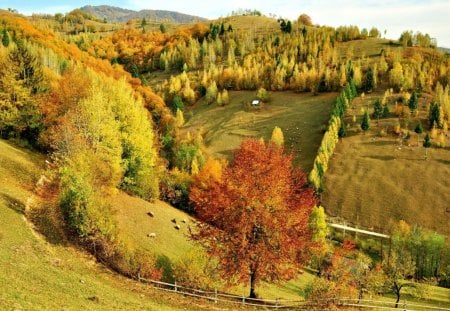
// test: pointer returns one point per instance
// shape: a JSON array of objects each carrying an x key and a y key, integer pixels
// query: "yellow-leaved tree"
[{"x": 277, "y": 137}]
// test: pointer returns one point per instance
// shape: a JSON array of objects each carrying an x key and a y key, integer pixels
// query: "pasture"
[
  {"x": 374, "y": 180},
  {"x": 301, "y": 117}
]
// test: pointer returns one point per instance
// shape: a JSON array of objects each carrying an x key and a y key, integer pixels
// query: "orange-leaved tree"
[{"x": 254, "y": 218}]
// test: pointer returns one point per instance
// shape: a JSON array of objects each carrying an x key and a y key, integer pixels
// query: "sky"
[{"x": 394, "y": 16}]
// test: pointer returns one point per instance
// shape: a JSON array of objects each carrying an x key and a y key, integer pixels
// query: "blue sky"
[{"x": 431, "y": 16}]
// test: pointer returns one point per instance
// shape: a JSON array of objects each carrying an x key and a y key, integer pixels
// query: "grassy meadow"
[
  {"x": 36, "y": 274},
  {"x": 376, "y": 179},
  {"x": 301, "y": 117}
]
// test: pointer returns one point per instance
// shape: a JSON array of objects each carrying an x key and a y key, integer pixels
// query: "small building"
[{"x": 256, "y": 102}]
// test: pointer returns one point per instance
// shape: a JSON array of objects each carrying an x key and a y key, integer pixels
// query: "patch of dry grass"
[{"x": 373, "y": 181}]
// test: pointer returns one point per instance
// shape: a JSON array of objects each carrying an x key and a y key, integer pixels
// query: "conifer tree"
[
  {"x": 5, "y": 38},
  {"x": 413, "y": 102},
  {"x": 418, "y": 129},
  {"x": 342, "y": 130},
  {"x": 365, "y": 124},
  {"x": 427, "y": 141},
  {"x": 385, "y": 111},
  {"x": 369, "y": 81},
  {"x": 377, "y": 109}
]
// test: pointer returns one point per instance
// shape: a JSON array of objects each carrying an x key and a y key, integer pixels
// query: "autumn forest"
[{"x": 276, "y": 160}]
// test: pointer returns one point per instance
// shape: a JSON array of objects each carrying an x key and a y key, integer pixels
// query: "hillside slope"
[
  {"x": 115, "y": 14},
  {"x": 38, "y": 275},
  {"x": 373, "y": 181},
  {"x": 300, "y": 117}
]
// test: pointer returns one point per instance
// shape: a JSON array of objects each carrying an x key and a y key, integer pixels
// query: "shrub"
[{"x": 195, "y": 270}]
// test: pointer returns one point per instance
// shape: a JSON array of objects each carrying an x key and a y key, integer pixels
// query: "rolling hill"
[
  {"x": 115, "y": 14},
  {"x": 51, "y": 274}
]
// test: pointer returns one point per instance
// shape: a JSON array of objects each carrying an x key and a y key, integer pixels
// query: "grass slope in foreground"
[
  {"x": 37, "y": 275},
  {"x": 301, "y": 117}
]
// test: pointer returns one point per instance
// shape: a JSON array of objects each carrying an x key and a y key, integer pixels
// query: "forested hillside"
[
  {"x": 259, "y": 129},
  {"x": 115, "y": 14}
]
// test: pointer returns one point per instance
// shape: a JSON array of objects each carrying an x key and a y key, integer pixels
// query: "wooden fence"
[{"x": 216, "y": 297}]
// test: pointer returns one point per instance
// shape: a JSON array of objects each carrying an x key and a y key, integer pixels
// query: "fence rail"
[{"x": 216, "y": 297}]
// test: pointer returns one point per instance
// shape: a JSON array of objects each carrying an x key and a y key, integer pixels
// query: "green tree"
[
  {"x": 143, "y": 24},
  {"x": 369, "y": 81},
  {"x": 418, "y": 129},
  {"x": 5, "y": 38},
  {"x": 427, "y": 141},
  {"x": 177, "y": 104},
  {"x": 377, "y": 109},
  {"x": 413, "y": 101},
  {"x": 365, "y": 124},
  {"x": 342, "y": 130},
  {"x": 162, "y": 28},
  {"x": 385, "y": 110},
  {"x": 434, "y": 115}
]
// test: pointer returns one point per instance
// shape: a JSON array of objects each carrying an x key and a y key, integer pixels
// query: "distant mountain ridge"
[{"x": 116, "y": 14}]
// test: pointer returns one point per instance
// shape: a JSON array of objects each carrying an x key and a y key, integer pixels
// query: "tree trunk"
[
  {"x": 252, "y": 284},
  {"x": 397, "y": 292}
]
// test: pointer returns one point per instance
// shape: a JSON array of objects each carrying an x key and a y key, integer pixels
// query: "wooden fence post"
[
  {"x": 243, "y": 296},
  {"x": 176, "y": 286},
  {"x": 215, "y": 295},
  {"x": 404, "y": 305}
]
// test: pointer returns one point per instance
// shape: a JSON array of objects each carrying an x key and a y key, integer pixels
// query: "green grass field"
[
  {"x": 38, "y": 275},
  {"x": 300, "y": 116},
  {"x": 373, "y": 181}
]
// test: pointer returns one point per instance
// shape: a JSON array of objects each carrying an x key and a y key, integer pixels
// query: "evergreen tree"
[
  {"x": 342, "y": 130},
  {"x": 419, "y": 128},
  {"x": 377, "y": 109},
  {"x": 413, "y": 102},
  {"x": 427, "y": 141},
  {"x": 162, "y": 28},
  {"x": 385, "y": 111},
  {"x": 5, "y": 38},
  {"x": 434, "y": 115},
  {"x": 177, "y": 104},
  {"x": 365, "y": 124},
  {"x": 143, "y": 24},
  {"x": 369, "y": 81}
]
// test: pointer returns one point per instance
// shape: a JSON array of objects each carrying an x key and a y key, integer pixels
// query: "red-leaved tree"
[{"x": 254, "y": 218}]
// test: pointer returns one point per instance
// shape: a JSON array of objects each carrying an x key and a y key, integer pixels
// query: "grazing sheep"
[
  {"x": 150, "y": 214},
  {"x": 177, "y": 227},
  {"x": 174, "y": 221},
  {"x": 151, "y": 235},
  {"x": 184, "y": 220}
]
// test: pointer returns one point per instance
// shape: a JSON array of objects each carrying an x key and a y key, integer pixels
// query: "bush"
[
  {"x": 196, "y": 270},
  {"x": 320, "y": 294},
  {"x": 175, "y": 189},
  {"x": 263, "y": 95}
]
